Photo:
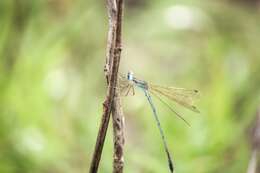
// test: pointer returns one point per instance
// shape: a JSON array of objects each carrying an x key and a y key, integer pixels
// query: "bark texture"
[{"x": 112, "y": 102}]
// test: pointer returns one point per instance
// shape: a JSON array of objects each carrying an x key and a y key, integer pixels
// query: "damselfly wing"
[{"x": 182, "y": 96}]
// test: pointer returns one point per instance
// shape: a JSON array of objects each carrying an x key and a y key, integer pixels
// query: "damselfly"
[{"x": 181, "y": 96}]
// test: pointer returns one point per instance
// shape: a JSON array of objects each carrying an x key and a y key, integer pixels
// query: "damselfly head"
[{"x": 130, "y": 75}]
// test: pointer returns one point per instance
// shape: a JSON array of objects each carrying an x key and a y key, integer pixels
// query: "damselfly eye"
[{"x": 130, "y": 75}]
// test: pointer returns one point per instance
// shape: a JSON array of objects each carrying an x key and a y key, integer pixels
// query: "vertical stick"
[
  {"x": 253, "y": 166},
  {"x": 117, "y": 113},
  {"x": 118, "y": 127},
  {"x": 115, "y": 9}
]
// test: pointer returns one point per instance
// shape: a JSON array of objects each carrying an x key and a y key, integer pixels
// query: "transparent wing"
[
  {"x": 123, "y": 82},
  {"x": 184, "y": 97},
  {"x": 165, "y": 103},
  {"x": 125, "y": 86}
]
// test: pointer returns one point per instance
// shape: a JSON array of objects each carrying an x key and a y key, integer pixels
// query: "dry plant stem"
[
  {"x": 118, "y": 127},
  {"x": 115, "y": 9},
  {"x": 253, "y": 165},
  {"x": 112, "y": 19},
  {"x": 117, "y": 112}
]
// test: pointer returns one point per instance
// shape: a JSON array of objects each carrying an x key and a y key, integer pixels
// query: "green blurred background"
[{"x": 52, "y": 85}]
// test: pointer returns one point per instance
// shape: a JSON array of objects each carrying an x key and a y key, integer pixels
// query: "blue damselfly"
[{"x": 182, "y": 96}]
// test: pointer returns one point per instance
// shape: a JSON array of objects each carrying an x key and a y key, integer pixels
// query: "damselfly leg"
[{"x": 125, "y": 89}]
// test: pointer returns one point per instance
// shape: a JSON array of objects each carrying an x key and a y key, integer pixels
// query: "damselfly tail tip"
[
  {"x": 171, "y": 167},
  {"x": 170, "y": 163}
]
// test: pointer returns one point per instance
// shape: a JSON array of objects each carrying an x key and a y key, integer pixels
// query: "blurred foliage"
[{"x": 52, "y": 85}]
